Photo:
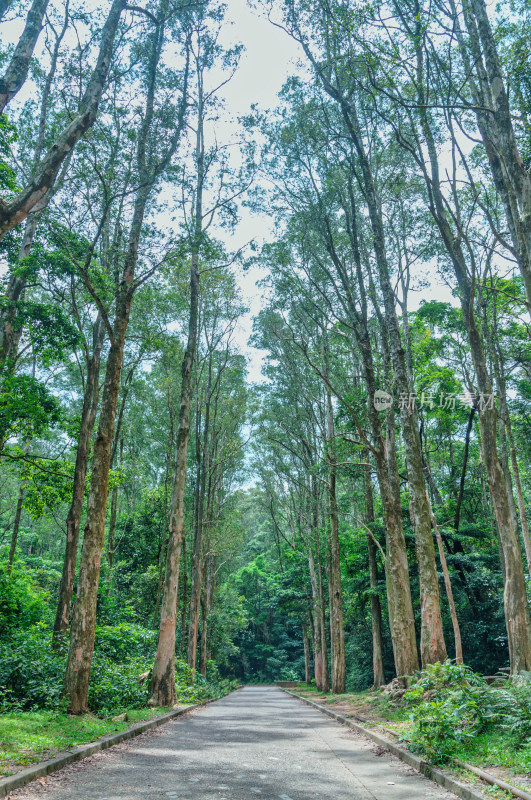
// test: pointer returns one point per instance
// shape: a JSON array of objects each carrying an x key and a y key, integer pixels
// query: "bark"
[
  {"x": 197, "y": 553},
  {"x": 507, "y": 441},
  {"x": 17, "y": 69},
  {"x": 118, "y": 437},
  {"x": 319, "y": 613},
  {"x": 10, "y": 332},
  {"x": 307, "y": 662},
  {"x": 33, "y": 194},
  {"x": 84, "y": 618},
  {"x": 204, "y": 635},
  {"x": 163, "y": 538},
  {"x": 163, "y": 676},
  {"x": 376, "y": 610},
  {"x": 184, "y": 599},
  {"x": 337, "y": 632},
  {"x": 73, "y": 519},
  {"x": 459, "y": 503},
  {"x": 401, "y": 618},
  {"x": 16, "y": 527},
  {"x": 320, "y": 666},
  {"x": 206, "y": 605},
  {"x": 112, "y": 529},
  {"x": 195, "y": 603},
  {"x": 521, "y": 505},
  {"x": 449, "y": 593}
]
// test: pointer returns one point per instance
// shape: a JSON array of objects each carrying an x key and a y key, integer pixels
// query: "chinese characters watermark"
[{"x": 431, "y": 400}]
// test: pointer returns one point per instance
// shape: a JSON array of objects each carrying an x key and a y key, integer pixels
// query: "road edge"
[
  {"x": 82, "y": 751},
  {"x": 433, "y": 773}
]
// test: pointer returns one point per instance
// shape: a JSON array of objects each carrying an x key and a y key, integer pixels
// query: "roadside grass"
[
  {"x": 27, "y": 737},
  {"x": 375, "y": 705},
  {"x": 494, "y": 750}
]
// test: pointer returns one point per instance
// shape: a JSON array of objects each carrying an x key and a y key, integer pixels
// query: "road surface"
[{"x": 256, "y": 744}]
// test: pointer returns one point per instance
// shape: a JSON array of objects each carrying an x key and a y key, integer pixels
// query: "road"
[{"x": 256, "y": 743}]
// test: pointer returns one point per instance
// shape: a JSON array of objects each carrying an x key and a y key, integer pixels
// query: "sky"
[{"x": 270, "y": 57}]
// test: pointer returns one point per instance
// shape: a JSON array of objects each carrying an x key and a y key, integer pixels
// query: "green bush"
[
  {"x": 22, "y": 603},
  {"x": 450, "y": 704},
  {"x": 31, "y": 673},
  {"x": 115, "y": 686},
  {"x": 193, "y": 689},
  {"x": 512, "y": 705},
  {"x": 125, "y": 641}
]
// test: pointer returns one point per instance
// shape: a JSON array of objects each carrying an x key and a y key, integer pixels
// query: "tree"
[{"x": 152, "y": 158}]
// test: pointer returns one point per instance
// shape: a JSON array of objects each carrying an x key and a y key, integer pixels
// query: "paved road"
[{"x": 257, "y": 743}]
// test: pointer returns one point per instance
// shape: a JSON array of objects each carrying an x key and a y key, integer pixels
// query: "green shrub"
[
  {"x": 450, "y": 704},
  {"x": 31, "y": 673},
  {"x": 512, "y": 705},
  {"x": 115, "y": 686},
  {"x": 125, "y": 641},
  {"x": 22, "y": 603}
]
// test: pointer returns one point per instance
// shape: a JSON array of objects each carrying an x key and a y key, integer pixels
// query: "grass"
[{"x": 30, "y": 736}]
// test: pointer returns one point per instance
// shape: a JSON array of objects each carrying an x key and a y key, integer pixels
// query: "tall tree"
[{"x": 157, "y": 142}]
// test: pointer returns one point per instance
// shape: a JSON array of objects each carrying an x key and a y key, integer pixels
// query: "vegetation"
[{"x": 359, "y": 515}]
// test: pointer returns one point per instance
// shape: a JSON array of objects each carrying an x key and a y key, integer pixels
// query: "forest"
[{"x": 358, "y": 516}]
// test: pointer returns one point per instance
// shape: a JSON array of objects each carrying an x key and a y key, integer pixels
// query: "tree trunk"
[
  {"x": 9, "y": 332},
  {"x": 486, "y": 79},
  {"x": 319, "y": 630},
  {"x": 204, "y": 635},
  {"x": 517, "y": 617},
  {"x": 73, "y": 519},
  {"x": 84, "y": 618},
  {"x": 307, "y": 663},
  {"x": 507, "y": 442},
  {"x": 206, "y": 605},
  {"x": 449, "y": 593},
  {"x": 376, "y": 610},
  {"x": 337, "y": 632},
  {"x": 184, "y": 600},
  {"x": 401, "y": 618},
  {"x": 432, "y": 645},
  {"x": 17, "y": 70},
  {"x": 197, "y": 553},
  {"x": 16, "y": 527},
  {"x": 521, "y": 505},
  {"x": 399, "y": 602},
  {"x": 163, "y": 677}
]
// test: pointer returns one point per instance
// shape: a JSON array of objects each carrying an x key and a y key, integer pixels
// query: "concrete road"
[{"x": 256, "y": 744}]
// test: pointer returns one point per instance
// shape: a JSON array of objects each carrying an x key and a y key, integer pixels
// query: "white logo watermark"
[{"x": 382, "y": 400}]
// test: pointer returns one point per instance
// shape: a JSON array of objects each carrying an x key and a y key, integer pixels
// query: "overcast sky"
[{"x": 270, "y": 57}]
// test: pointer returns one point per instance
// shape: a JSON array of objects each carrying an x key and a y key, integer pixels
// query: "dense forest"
[{"x": 169, "y": 528}]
